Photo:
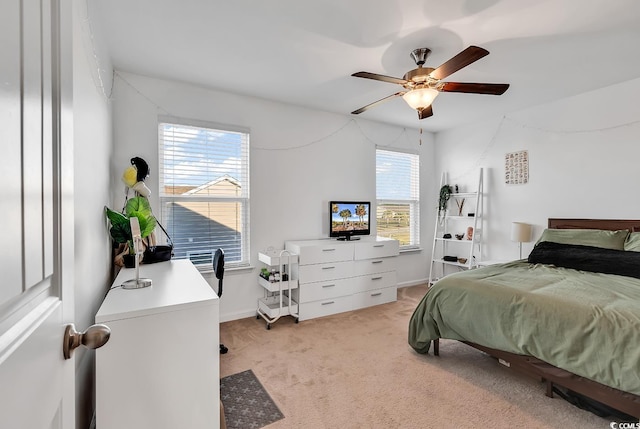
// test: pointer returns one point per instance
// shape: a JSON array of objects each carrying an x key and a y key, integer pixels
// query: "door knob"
[{"x": 94, "y": 337}]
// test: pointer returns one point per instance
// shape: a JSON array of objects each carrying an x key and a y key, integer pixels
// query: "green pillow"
[
  {"x": 632, "y": 242},
  {"x": 588, "y": 237}
]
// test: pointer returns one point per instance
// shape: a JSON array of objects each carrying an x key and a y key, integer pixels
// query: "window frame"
[
  {"x": 413, "y": 187},
  {"x": 243, "y": 200}
]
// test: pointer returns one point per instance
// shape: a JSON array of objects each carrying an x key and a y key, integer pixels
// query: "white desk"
[{"x": 160, "y": 368}]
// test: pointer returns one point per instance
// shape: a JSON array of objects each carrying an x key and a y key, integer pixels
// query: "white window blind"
[
  {"x": 398, "y": 196},
  {"x": 204, "y": 191}
]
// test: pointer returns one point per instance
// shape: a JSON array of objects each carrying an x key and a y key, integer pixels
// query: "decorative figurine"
[
  {"x": 470, "y": 233},
  {"x": 460, "y": 204}
]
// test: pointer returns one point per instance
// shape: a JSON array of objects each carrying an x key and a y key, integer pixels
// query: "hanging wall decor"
[{"x": 516, "y": 168}]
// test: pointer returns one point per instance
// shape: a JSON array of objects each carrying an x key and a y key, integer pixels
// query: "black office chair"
[{"x": 218, "y": 270}]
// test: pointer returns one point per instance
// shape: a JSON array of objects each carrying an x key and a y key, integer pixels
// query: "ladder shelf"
[{"x": 467, "y": 249}]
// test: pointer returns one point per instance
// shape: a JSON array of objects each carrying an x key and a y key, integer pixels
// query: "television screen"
[{"x": 348, "y": 218}]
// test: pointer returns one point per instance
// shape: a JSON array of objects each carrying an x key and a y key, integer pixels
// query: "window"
[
  {"x": 398, "y": 197},
  {"x": 204, "y": 190}
]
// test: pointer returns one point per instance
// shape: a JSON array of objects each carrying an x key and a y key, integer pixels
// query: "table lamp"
[
  {"x": 137, "y": 240},
  {"x": 520, "y": 232}
]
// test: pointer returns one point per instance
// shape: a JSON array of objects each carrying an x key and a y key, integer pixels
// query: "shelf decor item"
[
  {"x": 445, "y": 195},
  {"x": 460, "y": 204}
]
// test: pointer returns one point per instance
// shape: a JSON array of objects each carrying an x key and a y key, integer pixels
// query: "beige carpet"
[{"x": 356, "y": 370}]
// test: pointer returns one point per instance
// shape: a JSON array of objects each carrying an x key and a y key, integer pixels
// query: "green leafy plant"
[
  {"x": 120, "y": 225},
  {"x": 445, "y": 194}
]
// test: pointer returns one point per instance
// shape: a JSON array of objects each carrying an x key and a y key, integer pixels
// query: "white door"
[{"x": 36, "y": 214}]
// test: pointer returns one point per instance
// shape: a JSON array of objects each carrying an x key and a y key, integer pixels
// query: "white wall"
[
  {"x": 583, "y": 154},
  {"x": 300, "y": 159},
  {"x": 92, "y": 150}
]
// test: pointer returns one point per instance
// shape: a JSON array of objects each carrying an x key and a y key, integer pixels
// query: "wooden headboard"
[{"x": 609, "y": 224}]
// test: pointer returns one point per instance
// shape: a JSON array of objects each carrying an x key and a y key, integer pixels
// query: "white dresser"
[
  {"x": 160, "y": 368},
  {"x": 336, "y": 276}
]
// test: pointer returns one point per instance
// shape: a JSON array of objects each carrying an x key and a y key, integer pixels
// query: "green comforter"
[{"x": 585, "y": 323}]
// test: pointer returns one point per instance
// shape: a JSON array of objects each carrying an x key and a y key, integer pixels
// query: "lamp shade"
[
  {"x": 520, "y": 232},
  {"x": 420, "y": 98}
]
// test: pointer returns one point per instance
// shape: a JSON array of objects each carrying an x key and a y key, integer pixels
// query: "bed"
[{"x": 568, "y": 315}]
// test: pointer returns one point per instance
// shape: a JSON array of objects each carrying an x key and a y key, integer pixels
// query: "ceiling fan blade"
[
  {"x": 463, "y": 59},
  {"x": 426, "y": 112},
  {"x": 380, "y": 77},
  {"x": 375, "y": 103},
  {"x": 476, "y": 88}
]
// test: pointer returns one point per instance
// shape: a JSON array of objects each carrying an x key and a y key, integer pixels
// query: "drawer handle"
[
  {"x": 378, "y": 245},
  {"x": 328, "y": 302},
  {"x": 328, "y": 250},
  {"x": 376, "y": 262},
  {"x": 328, "y": 268},
  {"x": 333, "y": 285},
  {"x": 376, "y": 294},
  {"x": 376, "y": 278}
]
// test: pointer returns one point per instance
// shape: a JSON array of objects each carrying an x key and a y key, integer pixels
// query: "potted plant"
[
  {"x": 445, "y": 194},
  {"x": 121, "y": 227}
]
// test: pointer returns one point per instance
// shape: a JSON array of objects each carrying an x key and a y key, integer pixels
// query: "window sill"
[
  {"x": 411, "y": 250},
  {"x": 206, "y": 268}
]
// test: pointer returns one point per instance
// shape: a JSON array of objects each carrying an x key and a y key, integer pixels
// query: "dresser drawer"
[
  {"x": 322, "y": 272},
  {"x": 323, "y": 290},
  {"x": 376, "y": 249},
  {"x": 332, "y": 251},
  {"x": 373, "y": 281},
  {"x": 310, "y": 310},
  {"x": 374, "y": 297},
  {"x": 376, "y": 265},
  {"x": 332, "y": 275}
]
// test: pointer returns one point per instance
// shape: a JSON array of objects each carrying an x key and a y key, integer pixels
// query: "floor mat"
[{"x": 247, "y": 405}]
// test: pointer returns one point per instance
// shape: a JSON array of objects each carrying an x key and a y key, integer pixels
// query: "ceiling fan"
[{"x": 423, "y": 84}]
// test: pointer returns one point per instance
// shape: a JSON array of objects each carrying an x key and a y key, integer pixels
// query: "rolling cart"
[{"x": 277, "y": 301}]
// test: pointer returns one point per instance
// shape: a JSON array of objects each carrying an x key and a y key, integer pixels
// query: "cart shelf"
[
  {"x": 276, "y": 286},
  {"x": 270, "y": 306},
  {"x": 277, "y": 302}
]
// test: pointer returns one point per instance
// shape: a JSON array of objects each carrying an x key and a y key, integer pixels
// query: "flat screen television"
[{"x": 349, "y": 218}]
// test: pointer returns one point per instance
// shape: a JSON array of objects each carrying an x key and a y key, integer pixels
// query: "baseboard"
[
  {"x": 238, "y": 315},
  {"x": 412, "y": 283}
]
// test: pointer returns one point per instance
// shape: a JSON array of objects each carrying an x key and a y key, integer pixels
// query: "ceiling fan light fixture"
[
  {"x": 423, "y": 84},
  {"x": 420, "y": 98}
]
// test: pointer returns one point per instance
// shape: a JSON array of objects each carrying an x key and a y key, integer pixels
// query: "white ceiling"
[{"x": 303, "y": 52}]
